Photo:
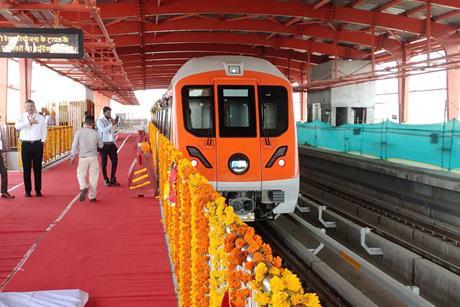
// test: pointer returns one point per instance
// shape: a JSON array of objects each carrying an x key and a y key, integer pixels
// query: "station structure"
[{"x": 140, "y": 45}]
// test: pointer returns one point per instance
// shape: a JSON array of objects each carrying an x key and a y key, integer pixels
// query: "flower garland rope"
[{"x": 213, "y": 252}]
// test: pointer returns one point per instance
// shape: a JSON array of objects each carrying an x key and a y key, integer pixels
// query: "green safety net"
[{"x": 427, "y": 145}]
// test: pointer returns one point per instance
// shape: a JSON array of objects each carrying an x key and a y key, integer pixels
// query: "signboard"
[{"x": 41, "y": 43}]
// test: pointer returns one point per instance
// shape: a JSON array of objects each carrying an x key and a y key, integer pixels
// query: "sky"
[{"x": 142, "y": 111}]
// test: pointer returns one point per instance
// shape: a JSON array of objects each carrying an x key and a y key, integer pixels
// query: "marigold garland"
[{"x": 211, "y": 249}]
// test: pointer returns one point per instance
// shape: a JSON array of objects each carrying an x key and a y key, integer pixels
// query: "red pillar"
[
  {"x": 100, "y": 101},
  {"x": 403, "y": 88},
  {"x": 302, "y": 106},
  {"x": 453, "y": 93},
  {"x": 453, "y": 84},
  {"x": 25, "y": 75},
  {"x": 3, "y": 90}
]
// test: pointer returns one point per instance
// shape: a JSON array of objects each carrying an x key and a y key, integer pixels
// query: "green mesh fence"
[{"x": 434, "y": 144}]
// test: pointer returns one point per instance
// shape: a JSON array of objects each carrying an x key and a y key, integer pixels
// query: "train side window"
[
  {"x": 198, "y": 110},
  {"x": 274, "y": 109},
  {"x": 237, "y": 115}
]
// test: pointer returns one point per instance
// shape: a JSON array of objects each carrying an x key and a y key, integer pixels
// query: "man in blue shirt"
[{"x": 105, "y": 127}]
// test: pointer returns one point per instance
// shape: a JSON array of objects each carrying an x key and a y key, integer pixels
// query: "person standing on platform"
[
  {"x": 3, "y": 171},
  {"x": 33, "y": 131},
  {"x": 105, "y": 126},
  {"x": 85, "y": 143}
]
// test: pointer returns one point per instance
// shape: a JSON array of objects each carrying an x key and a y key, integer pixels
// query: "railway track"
[
  {"x": 434, "y": 230},
  {"x": 400, "y": 217},
  {"x": 339, "y": 276},
  {"x": 313, "y": 282}
]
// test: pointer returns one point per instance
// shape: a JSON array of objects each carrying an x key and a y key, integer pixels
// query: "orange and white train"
[{"x": 233, "y": 117}]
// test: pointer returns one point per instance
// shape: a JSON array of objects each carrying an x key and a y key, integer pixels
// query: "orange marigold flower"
[
  {"x": 240, "y": 242},
  {"x": 258, "y": 257},
  {"x": 249, "y": 265}
]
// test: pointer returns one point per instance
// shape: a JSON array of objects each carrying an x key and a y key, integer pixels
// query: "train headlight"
[
  {"x": 238, "y": 164},
  {"x": 234, "y": 69}
]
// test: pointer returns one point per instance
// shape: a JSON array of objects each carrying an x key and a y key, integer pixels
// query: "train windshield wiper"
[{"x": 265, "y": 132}]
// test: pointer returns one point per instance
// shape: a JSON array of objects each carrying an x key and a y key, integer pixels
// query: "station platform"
[{"x": 113, "y": 249}]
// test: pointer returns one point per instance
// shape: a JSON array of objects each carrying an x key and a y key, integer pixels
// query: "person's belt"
[
  {"x": 108, "y": 143},
  {"x": 31, "y": 142}
]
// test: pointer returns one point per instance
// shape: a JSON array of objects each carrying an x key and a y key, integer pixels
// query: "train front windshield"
[{"x": 236, "y": 111}]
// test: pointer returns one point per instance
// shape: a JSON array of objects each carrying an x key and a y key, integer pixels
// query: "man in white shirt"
[
  {"x": 3, "y": 171},
  {"x": 105, "y": 126},
  {"x": 33, "y": 131}
]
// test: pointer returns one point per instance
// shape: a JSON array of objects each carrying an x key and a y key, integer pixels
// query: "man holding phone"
[{"x": 105, "y": 127}]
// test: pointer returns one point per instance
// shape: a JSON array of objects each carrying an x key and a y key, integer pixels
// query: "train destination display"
[{"x": 41, "y": 43}]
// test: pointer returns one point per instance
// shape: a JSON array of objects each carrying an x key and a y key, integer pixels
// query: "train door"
[
  {"x": 238, "y": 147},
  {"x": 199, "y": 123},
  {"x": 274, "y": 141}
]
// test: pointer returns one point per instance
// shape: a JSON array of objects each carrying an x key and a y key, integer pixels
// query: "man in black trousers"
[
  {"x": 105, "y": 127},
  {"x": 33, "y": 131}
]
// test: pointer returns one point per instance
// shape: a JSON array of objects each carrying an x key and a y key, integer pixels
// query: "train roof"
[{"x": 218, "y": 62}]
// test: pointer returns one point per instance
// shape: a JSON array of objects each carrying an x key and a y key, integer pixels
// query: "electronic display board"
[{"x": 41, "y": 43}]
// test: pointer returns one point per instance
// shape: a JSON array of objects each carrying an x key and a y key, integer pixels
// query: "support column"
[
  {"x": 25, "y": 75},
  {"x": 453, "y": 84},
  {"x": 403, "y": 88},
  {"x": 100, "y": 101},
  {"x": 3, "y": 90},
  {"x": 302, "y": 106},
  {"x": 453, "y": 93}
]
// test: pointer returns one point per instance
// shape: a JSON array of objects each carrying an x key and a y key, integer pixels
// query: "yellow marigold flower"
[
  {"x": 228, "y": 210},
  {"x": 277, "y": 284},
  {"x": 292, "y": 282},
  {"x": 260, "y": 271},
  {"x": 262, "y": 299},
  {"x": 299, "y": 299},
  {"x": 279, "y": 299},
  {"x": 312, "y": 300},
  {"x": 229, "y": 219},
  {"x": 275, "y": 271}
]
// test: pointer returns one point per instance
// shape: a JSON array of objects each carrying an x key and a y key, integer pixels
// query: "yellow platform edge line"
[
  {"x": 140, "y": 178},
  {"x": 140, "y": 171},
  {"x": 139, "y": 185}
]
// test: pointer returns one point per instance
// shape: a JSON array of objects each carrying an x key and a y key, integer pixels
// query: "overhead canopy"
[{"x": 140, "y": 44}]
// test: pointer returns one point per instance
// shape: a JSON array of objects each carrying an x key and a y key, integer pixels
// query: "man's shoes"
[
  {"x": 92, "y": 200},
  {"x": 114, "y": 182},
  {"x": 27, "y": 194},
  {"x": 38, "y": 194},
  {"x": 7, "y": 195},
  {"x": 83, "y": 193},
  {"x": 107, "y": 182}
]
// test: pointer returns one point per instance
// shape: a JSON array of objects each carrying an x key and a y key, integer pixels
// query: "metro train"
[{"x": 233, "y": 117}]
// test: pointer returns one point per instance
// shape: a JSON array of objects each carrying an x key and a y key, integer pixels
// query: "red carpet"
[{"x": 113, "y": 249}]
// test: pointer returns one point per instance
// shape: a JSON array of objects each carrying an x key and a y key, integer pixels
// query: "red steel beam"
[
  {"x": 321, "y": 3},
  {"x": 355, "y": 37},
  {"x": 220, "y": 48},
  {"x": 273, "y": 8},
  {"x": 245, "y": 39},
  {"x": 293, "y": 65}
]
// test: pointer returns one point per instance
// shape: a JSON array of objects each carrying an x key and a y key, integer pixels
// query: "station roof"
[{"x": 140, "y": 44}]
